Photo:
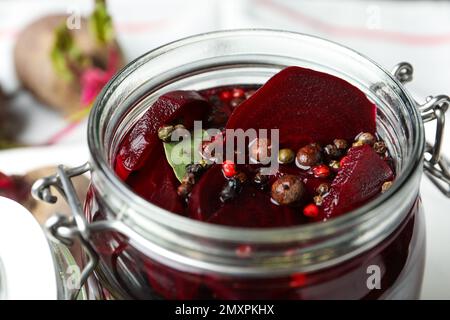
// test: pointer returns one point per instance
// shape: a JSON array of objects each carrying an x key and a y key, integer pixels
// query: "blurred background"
[{"x": 42, "y": 123}]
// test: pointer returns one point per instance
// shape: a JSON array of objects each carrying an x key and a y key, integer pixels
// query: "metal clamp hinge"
[{"x": 435, "y": 164}]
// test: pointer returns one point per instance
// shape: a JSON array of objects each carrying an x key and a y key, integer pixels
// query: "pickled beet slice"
[
  {"x": 306, "y": 106},
  {"x": 156, "y": 182},
  {"x": 204, "y": 199},
  {"x": 360, "y": 178},
  {"x": 252, "y": 208},
  {"x": 181, "y": 106}
]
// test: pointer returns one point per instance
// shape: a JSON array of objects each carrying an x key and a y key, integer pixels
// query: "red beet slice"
[
  {"x": 360, "y": 178},
  {"x": 156, "y": 182},
  {"x": 204, "y": 199},
  {"x": 252, "y": 208},
  {"x": 184, "y": 106},
  {"x": 306, "y": 106}
]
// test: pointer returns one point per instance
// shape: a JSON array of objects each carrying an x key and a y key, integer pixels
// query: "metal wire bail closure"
[
  {"x": 437, "y": 167},
  {"x": 65, "y": 229}
]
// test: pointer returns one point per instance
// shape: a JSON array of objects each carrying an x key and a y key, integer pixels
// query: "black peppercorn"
[
  {"x": 231, "y": 189},
  {"x": 341, "y": 144},
  {"x": 261, "y": 180},
  {"x": 332, "y": 151}
]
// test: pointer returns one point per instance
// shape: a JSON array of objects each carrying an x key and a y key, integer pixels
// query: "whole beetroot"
[{"x": 66, "y": 68}]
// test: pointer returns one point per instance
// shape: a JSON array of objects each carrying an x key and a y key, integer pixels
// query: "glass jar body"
[
  {"x": 376, "y": 251},
  {"x": 391, "y": 270}
]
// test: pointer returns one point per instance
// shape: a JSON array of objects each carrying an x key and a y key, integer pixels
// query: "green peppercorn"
[
  {"x": 323, "y": 188},
  {"x": 286, "y": 156},
  {"x": 318, "y": 200},
  {"x": 386, "y": 186},
  {"x": 165, "y": 133},
  {"x": 334, "y": 165},
  {"x": 366, "y": 138},
  {"x": 379, "y": 147}
]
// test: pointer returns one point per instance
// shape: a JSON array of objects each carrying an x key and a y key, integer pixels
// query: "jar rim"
[{"x": 226, "y": 233}]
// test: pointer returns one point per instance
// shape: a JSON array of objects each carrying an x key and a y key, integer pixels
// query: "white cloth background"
[{"x": 386, "y": 31}]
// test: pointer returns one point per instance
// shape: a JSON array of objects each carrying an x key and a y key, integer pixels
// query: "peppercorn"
[
  {"x": 261, "y": 180},
  {"x": 287, "y": 189},
  {"x": 386, "y": 186},
  {"x": 318, "y": 200},
  {"x": 308, "y": 156},
  {"x": 334, "y": 165},
  {"x": 341, "y": 144},
  {"x": 230, "y": 190},
  {"x": 366, "y": 138},
  {"x": 184, "y": 189},
  {"x": 235, "y": 102},
  {"x": 188, "y": 178},
  {"x": 238, "y": 93},
  {"x": 311, "y": 210},
  {"x": 286, "y": 156},
  {"x": 379, "y": 147},
  {"x": 229, "y": 168},
  {"x": 332, "y": 151},
  {"x": 165, "y": 133},
  {"x": 323, "y": 188},
  {"x": 321, "y": 171},
  {"x": 260, "y": 150},
  {"x": 195, "y": 168},
  {"x": 242, "y": 177}
]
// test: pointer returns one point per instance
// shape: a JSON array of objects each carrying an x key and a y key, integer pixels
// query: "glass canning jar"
[{"x": 138, "y": 250}]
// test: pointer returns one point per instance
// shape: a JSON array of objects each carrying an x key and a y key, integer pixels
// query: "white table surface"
[{"x": 387, "y": 31}]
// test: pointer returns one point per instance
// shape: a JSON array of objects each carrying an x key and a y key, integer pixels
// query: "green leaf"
[
  {"x": 101, "y": 24},
  {"x": 65, "y": 55},
  {"x": 180, "y": 154}
]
